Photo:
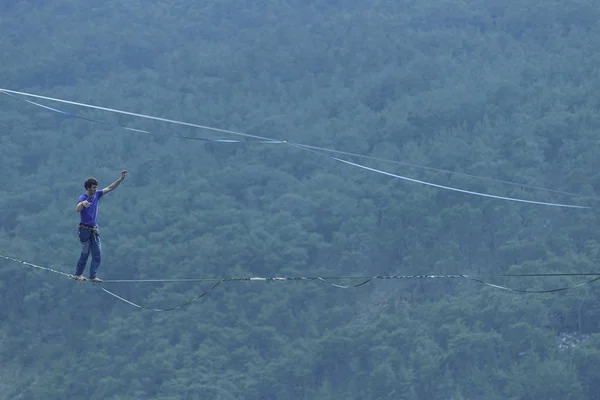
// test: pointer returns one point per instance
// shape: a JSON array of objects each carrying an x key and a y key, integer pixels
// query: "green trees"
[{"x": 505, "y": 91}]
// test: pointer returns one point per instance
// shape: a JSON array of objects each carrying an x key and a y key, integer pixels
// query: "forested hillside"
[{"x": 506, "y": 90}]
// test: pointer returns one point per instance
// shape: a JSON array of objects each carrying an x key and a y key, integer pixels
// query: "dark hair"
[{"x": 90, "y": 182}]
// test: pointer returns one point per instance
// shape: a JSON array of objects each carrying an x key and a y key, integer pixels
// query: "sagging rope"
[
  {"x": 319, "y": 150},
  {"x": 447, "y": 171},
  {"x": 363, "y": 280}
]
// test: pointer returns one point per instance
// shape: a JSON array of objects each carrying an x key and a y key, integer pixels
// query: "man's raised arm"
[{"x": 116, "y": 183}]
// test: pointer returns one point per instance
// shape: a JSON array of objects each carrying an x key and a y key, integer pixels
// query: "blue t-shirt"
[{"x": 89, "y": 216}]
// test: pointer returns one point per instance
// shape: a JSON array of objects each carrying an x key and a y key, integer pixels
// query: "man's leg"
[
  {"x": 84, "y": 240},
  {"x": 96, "y": 249}
]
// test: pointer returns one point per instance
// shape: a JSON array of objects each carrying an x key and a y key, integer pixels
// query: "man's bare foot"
[
  {"x": 95, "y": 280},
  {"x": 79, "y": 277}
]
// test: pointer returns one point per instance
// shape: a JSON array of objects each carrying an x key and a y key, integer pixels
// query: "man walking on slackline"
[{"x": 89, "y": 237}]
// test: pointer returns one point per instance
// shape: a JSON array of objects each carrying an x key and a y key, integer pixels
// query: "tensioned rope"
[
  {"x": 315, "y": 149},
  {"x": 56, "y": 110},
  {"x": 363, "y": 280}
]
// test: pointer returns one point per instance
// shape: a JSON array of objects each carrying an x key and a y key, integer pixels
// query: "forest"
[{"x": 450, "y": 91}]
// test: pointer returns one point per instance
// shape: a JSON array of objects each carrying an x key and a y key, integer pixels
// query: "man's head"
[{"x": 91, "y": 185}]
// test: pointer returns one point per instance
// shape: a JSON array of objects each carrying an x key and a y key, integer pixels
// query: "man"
[{"x": 89, "y": 237}]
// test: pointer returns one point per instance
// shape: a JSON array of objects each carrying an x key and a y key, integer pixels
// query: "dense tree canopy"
[{"x": 501, "y": 89}]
